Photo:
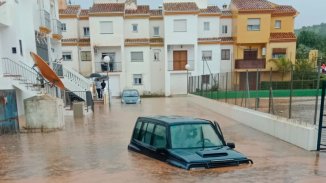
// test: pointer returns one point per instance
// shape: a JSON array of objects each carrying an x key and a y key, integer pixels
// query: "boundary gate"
[{"x": 321, "y": 142}]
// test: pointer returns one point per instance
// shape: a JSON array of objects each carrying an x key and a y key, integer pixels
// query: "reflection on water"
[{"x": 94, "y": 149}]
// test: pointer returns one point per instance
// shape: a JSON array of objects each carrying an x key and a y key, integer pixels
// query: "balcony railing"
[
  {"x": 56, "y": 27},
  {"x": 45, "y": 19},
  {"x": 250, "y": 64},
  {"x": 108, "y": 67},
  {"x": 180, "y": 65}
]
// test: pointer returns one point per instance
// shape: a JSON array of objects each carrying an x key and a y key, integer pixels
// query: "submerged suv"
[{"x": 184, "y": 142}]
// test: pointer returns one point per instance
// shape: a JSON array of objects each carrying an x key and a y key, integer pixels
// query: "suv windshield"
[
  {"x": 131, "y": 93},
  {"x": 194, "y": 136}
]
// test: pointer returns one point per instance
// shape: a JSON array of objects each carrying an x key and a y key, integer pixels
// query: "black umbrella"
[{"x": 95, "y": 75}]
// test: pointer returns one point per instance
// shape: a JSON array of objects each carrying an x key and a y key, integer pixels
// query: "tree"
[
  {"x": 283, "y": 65},
  {"x": 304, "y": 67},
  {"x": 302, "y": 52}
]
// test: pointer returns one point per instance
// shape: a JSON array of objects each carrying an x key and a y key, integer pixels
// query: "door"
[
  {"x": 179, "y": 60},
  {"x": 114, "y": 85},
  {"x": 8, "y": 112},
  {"x": 42, "y": 48},
  {"x": 250, "y": 55},
  {"x": 252, "y": 80}
]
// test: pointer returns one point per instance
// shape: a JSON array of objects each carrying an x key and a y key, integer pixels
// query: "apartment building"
[
  {"x": 262, "y": 31},
  {"x": 150, "y": 49},
  {"x": 25, "y": 26}
]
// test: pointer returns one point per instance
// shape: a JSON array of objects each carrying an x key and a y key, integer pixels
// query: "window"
[
  {"x": 180, "y": 25},
  {"x": 253, "y": 24},
  {"x": 134, "y": 27},
  {"x": 85, "y": 56},
  {"x": 138, "y": 79},
  {"x": 137, "y": 56},
  {"x": 225, "y": 54},
  {"x": 21, "y": 47},
  {"x": 66, "y": 56},
  {"x": 205, "y": 79},
  {"x": 279, "y": 53},
  {"x": 156, "y": 31},
  {"x": 86, "y": 31},
  {"x": 224, "y": 29},
  {"x": 142, "y": 132},
  {"x": 156, "y": 55},
  {"x": 63, "y": 27},
  {"x": 149, "y": 132},
  {"x": 206, "y": 26},
  {"x": 207, "y": 55},
  {"x": 278, "y": 24},
  {"x": 137, "y": 129},
  {"x": 159, "y": 137},
  {"x": 106, "y": 27}
]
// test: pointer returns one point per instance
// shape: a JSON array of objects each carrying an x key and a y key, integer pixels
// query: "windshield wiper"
[{"x": 202, "y": 137}]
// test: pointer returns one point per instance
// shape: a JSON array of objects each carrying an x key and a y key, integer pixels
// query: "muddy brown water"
[{"x": 94, "y": 149}]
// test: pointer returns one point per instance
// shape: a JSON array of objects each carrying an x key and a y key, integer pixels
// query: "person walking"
[
  {"x": 98, "y": 89},
  {"x": 103, "y": 85}
]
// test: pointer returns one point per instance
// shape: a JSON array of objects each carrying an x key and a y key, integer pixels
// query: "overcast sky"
[{"x": 311, "y": 11}]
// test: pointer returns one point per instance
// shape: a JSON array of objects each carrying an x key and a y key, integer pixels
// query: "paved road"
[{"x": 94, "y": 149}]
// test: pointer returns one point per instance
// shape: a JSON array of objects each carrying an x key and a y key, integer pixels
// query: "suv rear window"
[{"x": 137, "y": 129}]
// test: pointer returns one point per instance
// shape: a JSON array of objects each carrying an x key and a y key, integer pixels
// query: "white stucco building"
[
  {"x": 26, "y": 26},
  {"x": 148, "y": 49}
]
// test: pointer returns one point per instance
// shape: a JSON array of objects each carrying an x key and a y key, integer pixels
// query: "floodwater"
[{"x": 94, "y": 149}]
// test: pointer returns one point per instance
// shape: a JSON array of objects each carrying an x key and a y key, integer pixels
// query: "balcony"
[
  {"x": 179, "y": 65},
  {"x": 250, "y": 64},
  {"x": 108, "y": 67},
  {"x": 57, "y": 31},
  {"x": 45, "y": 26}
]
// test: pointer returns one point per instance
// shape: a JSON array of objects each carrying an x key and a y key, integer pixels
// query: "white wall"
[
  {"x": 82, "y": 24},
  {"x": 85, "y": 66},
  {"x": 71, "y": 28},
  {"x": 179, "y": 83},
  {"x": 157, "y": 71},
  {"x": 156, "y": 23},
  {"x": 143, "y": 31},
  {"x": 214, "y": 23},
  {"x": 74, "y": 63},
  {"x": 115, "y": 39},
  {"x": 227, "y": 22},
  {"x": 226, "y": 65},
  {"x": 188, "y": 37},
  {"x": 301, "y": 135},
  {"x": 138, "y": 68},
  {"x": 213, "y": 65}
]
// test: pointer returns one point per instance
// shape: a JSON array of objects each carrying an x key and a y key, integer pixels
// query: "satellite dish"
[{"x": 46, "y": 71}]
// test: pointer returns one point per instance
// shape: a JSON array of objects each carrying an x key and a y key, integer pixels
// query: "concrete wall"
[
  {"x": 71, "y": 28},
  {"x": 82, "y": 24},
  {"x": 74, "y": 63},
  {"x": 208, "y": 67},
  {"x": 226, "y": 65},
  {"x": 156, "y": 23},
  {"x": 301, "y": 135},
  {"x": 227, "y": 22},
  {"x": 157, "y": 71}
]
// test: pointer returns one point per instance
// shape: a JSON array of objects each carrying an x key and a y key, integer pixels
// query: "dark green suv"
[{"x": 184, "y": 142}]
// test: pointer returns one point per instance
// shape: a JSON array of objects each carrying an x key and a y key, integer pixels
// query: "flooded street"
[{"x": 94, "y": 149}]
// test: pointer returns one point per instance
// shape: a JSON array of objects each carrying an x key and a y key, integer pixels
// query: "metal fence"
[{"x": 292, "y": 95}]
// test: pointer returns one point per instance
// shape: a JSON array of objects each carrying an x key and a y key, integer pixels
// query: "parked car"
[
  {"x": 184, "y": 142},
  {"x": 130, "y": 96}
]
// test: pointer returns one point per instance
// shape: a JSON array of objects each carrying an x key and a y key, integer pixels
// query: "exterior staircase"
[{"x": 24, "y": 77}]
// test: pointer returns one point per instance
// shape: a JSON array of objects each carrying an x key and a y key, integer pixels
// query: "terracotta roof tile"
[
  {"x": 155, "y": 12},
  {"x": 69, "y": 40},
  {"x": 177, "y": 7},
  {"x": 141, "y": 10},
  {"x": 218, "y": 39},
  {"x": 84, "y": 40},
  {"x": 276, "y": 36},
  {"x": 137, "y": 41},
  {"x": 107, "y": 8},
  {"x": 252, "y": 4},
  {"x": 280, "y": 9},
  {"x": 84, "y": 13},
  {"x": 70, "y": 10},
  {"x": 210, "y": 10},
  {"x": 226, "y": 13},
  {"x": 156, "y": 40},
  {"x": 2, "y": 2}
]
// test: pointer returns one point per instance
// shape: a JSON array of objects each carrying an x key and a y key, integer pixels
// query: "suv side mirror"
[{"x": 231, "y": 145}]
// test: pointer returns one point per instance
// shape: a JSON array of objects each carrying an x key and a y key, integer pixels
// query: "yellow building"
[{"x": 262, "y": 31}]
